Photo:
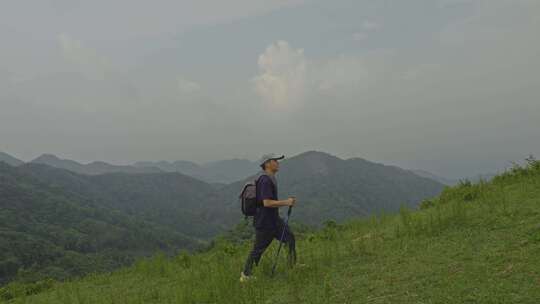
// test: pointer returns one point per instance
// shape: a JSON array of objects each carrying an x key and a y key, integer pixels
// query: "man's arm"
[
  {"x": 276, "y": 204},
  {"x": 266, "y": 187}
]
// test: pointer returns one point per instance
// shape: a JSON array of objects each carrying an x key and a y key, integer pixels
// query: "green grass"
[{"x": 473, "y": 244}]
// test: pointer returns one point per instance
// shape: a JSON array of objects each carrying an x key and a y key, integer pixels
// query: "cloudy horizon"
[{"x": 447, "y": 86}]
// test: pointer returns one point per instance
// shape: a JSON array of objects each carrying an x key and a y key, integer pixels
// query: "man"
[{"x": 268, "y": 225}]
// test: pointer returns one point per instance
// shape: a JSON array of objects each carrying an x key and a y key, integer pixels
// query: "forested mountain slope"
[
  {"x": 48, "y": 231},
  {"x": 328, "y": 187},
  {"x": 172, "y": 199}
]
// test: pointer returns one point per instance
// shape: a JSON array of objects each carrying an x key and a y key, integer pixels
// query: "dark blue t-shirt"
[{"x": 266, "y": 218}]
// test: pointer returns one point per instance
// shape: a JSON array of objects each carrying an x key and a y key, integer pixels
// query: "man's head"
[{"x": 270, "y": 162}]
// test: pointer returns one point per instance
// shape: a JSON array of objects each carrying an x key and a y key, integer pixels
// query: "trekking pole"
[{"x": 281, "y": 239}]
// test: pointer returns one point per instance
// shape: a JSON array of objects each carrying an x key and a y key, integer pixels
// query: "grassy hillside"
[{"x": 473, "y": 244}]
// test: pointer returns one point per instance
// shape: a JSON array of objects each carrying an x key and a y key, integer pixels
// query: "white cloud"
[
  {"x": 85, "y": 60},
  {"x": 359, "y": 36},
  {"x": 282, "y": 79},
  {"x": 341, "y": 73},
  {"x": 288, "y": 78},
  {"x": 188, "y": 86},
  {"x": 369, "y": 25},
  {"x": 420, "y": 71}
]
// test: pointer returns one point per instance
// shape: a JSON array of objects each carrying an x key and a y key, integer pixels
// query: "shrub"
[
  {"x": 17, "y": 289},
  {"x": 425, "y": 204}
]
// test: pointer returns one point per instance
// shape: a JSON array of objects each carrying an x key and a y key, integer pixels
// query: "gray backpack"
[{"x": 248, "y": 198}]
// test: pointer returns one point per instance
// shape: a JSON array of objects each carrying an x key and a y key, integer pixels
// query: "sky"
[{"x": 447, "y": 86}]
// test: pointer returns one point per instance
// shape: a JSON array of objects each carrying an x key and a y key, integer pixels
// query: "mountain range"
[
  {"x": 57, "y": 217},
  {"x": 93, "y": 168},
  {"x": 216, "y": 172},
  {"x": 223, "y": 171},
  {"x": 328, "y": 187},
  {"x": 10, "y": 160}
]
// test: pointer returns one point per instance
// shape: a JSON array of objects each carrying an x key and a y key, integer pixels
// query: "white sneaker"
[{"x": 245, "y": 278}]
